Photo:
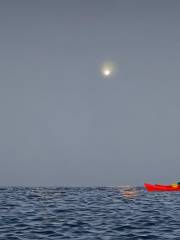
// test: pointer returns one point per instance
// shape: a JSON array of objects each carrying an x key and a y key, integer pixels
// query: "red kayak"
[{"x": 157, "y": 187}]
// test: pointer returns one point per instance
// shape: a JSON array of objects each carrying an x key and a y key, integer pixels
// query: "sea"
[{"x": 85, "y": 213}]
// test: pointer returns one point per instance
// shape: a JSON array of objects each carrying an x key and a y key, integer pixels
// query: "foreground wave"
[{"x": 88, "y": 213}]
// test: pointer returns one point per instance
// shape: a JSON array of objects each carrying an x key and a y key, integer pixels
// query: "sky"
[{"x": 61, "y": 122}]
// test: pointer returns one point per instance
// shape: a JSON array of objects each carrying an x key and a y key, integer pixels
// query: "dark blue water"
[{"x": 88, "y": 213}]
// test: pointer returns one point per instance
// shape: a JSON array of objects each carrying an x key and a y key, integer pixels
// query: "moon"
[
  {"x": 108, "y": 69},
  {"x": 106, "y": 72}
]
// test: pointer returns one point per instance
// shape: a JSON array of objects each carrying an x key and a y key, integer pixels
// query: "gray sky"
[{"x": 61, "y": 122}]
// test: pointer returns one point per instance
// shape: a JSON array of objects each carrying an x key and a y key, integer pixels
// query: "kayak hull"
[{"x": 161, "y": 188}]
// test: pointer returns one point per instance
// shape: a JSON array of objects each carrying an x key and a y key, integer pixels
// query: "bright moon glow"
[
  {"x": 108, "y": 69},
  {"x": 106, "y": 72}
]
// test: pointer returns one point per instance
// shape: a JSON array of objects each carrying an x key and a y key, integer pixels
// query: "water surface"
[{"x": 88, "y": 213}]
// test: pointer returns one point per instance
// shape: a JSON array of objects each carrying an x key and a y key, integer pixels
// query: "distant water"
[{"x": 88, "y": 213}]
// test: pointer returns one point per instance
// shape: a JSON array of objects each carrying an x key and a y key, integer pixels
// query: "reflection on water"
[{"x": 128, "y": 191}]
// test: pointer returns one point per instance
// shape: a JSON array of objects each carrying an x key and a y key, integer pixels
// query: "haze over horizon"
[{"x": 62, "y": 122}]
